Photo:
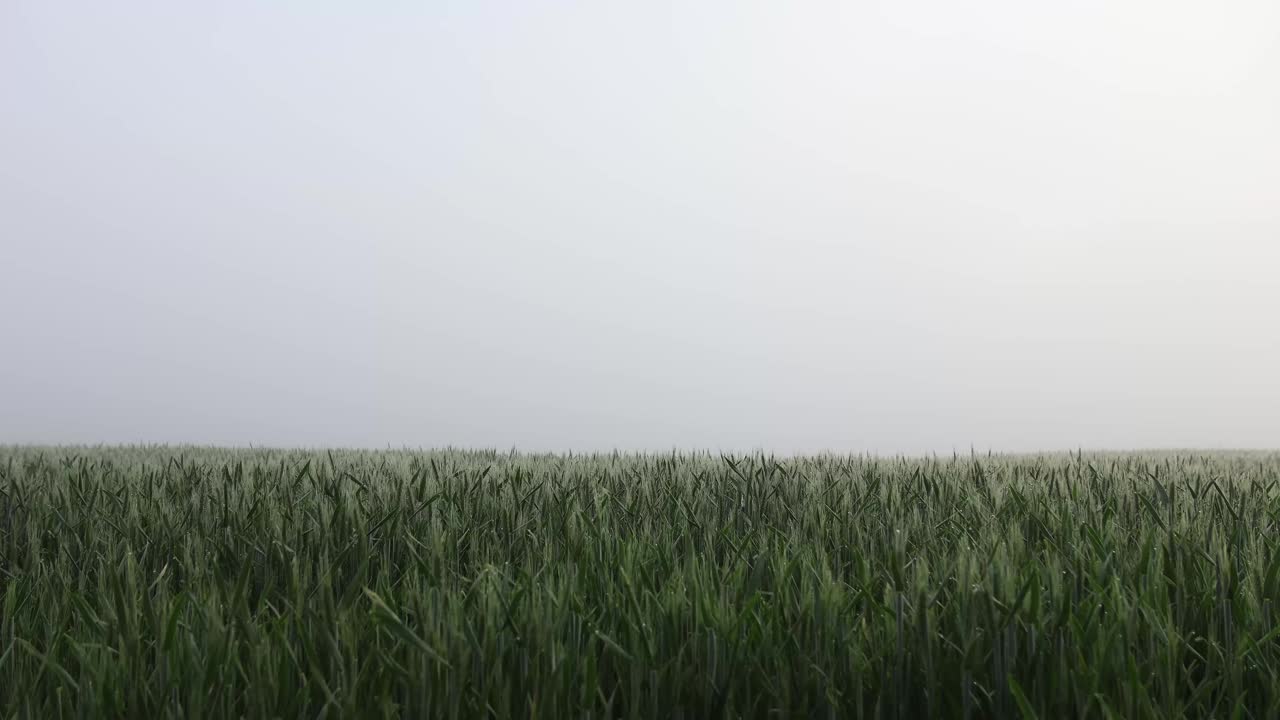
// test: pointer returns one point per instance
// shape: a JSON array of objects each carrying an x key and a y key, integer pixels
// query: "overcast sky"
[{"x": 906, "y": 226}]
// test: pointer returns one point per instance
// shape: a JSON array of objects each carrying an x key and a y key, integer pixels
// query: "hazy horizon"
[{"x": 908, "y": 227}]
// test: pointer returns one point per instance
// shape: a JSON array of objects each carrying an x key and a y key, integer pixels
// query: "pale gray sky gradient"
[{"x": 904, "y": 226}]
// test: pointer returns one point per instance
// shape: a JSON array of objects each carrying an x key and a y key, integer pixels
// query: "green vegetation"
[{"x": 170, "y": 582}]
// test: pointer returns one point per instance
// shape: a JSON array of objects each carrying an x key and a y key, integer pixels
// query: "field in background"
[{"x": 169, "y": 582}]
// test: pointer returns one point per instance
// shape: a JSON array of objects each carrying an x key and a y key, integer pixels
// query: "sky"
[{"x": 894, "y": 227}]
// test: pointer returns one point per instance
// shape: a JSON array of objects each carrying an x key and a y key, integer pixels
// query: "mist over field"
[
  {"x": 905, "y": 227},
  {"x": 672, "y": 360}
]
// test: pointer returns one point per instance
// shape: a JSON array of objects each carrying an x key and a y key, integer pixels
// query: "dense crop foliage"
[{"x": 152, "y": 582}]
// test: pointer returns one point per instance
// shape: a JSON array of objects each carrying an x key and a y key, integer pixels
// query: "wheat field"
[{"x": 212, "y": 583}]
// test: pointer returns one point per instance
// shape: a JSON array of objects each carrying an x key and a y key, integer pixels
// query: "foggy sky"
[{"x": 907, "y": 226}]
